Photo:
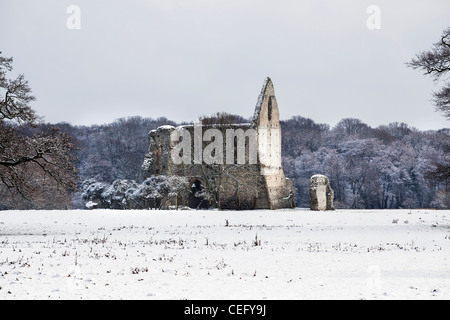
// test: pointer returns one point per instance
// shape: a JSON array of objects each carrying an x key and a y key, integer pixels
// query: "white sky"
[{"x": 185, "y": 58}]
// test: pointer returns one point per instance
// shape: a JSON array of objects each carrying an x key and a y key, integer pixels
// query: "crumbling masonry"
[{"x": 251, "y": 178}]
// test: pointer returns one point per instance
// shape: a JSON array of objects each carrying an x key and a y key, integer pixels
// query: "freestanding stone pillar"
[{"x": 321, "y": 193}]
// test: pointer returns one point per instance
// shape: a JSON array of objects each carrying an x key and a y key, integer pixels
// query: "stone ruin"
[
  {"x": 321, "y": 193},
  {"x": 251, "y": 178}
]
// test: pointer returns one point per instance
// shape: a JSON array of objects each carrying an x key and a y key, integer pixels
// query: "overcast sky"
[{"x": 186, "y": 58}]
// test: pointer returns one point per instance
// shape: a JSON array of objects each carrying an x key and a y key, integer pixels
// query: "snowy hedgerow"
[
  {"x": 92, "y": 193},
  {"x": 155, "y": 192},
  {"x": 116, "y": 194}
]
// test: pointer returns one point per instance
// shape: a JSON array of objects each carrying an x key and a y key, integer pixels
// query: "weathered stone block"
[{"x": 321, "y": 193}]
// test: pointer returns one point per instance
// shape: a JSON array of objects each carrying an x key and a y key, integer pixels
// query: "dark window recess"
[{"x": 270, "y": 109}]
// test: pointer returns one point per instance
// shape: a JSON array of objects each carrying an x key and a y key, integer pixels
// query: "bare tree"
[
  {"x": 222, "y": 119},
  {"x": 227, "y": 185},
  {"x": 436, "y": 63},
  {"x": 351, "y": 126},
  {"x": 43, "y": 154}
]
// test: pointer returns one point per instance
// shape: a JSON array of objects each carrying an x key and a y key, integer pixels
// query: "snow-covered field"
[{"x": 283, "y": 254}]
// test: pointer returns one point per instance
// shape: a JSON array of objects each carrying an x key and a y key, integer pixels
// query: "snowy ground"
[{"x": 284, "y": 254}]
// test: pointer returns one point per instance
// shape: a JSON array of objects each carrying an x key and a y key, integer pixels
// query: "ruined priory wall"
[
  {"x": 236, "y": 185},
  {"x": 254, "y": 177}
]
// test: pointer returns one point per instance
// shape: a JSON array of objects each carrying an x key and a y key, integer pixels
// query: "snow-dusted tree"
[
  {"x": 221, "y": 119},
  {"x": 158, "y": 191},
  {"x": 231, "y": 183},
  {"x": 311, "y": 138},
  {"x": 116, "y": 150},
  {"x": 45, "y": 154},
  {"x": 92, "y": 193},
  {"x": 179, "y": 188},
  {"x": 117, "y": 194},
  {"x": 352, "y": 126},
  {"x": 436, "y": 63}
]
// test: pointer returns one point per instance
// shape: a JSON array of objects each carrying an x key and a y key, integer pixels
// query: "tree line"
[{"x": 391, "y": 166}]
